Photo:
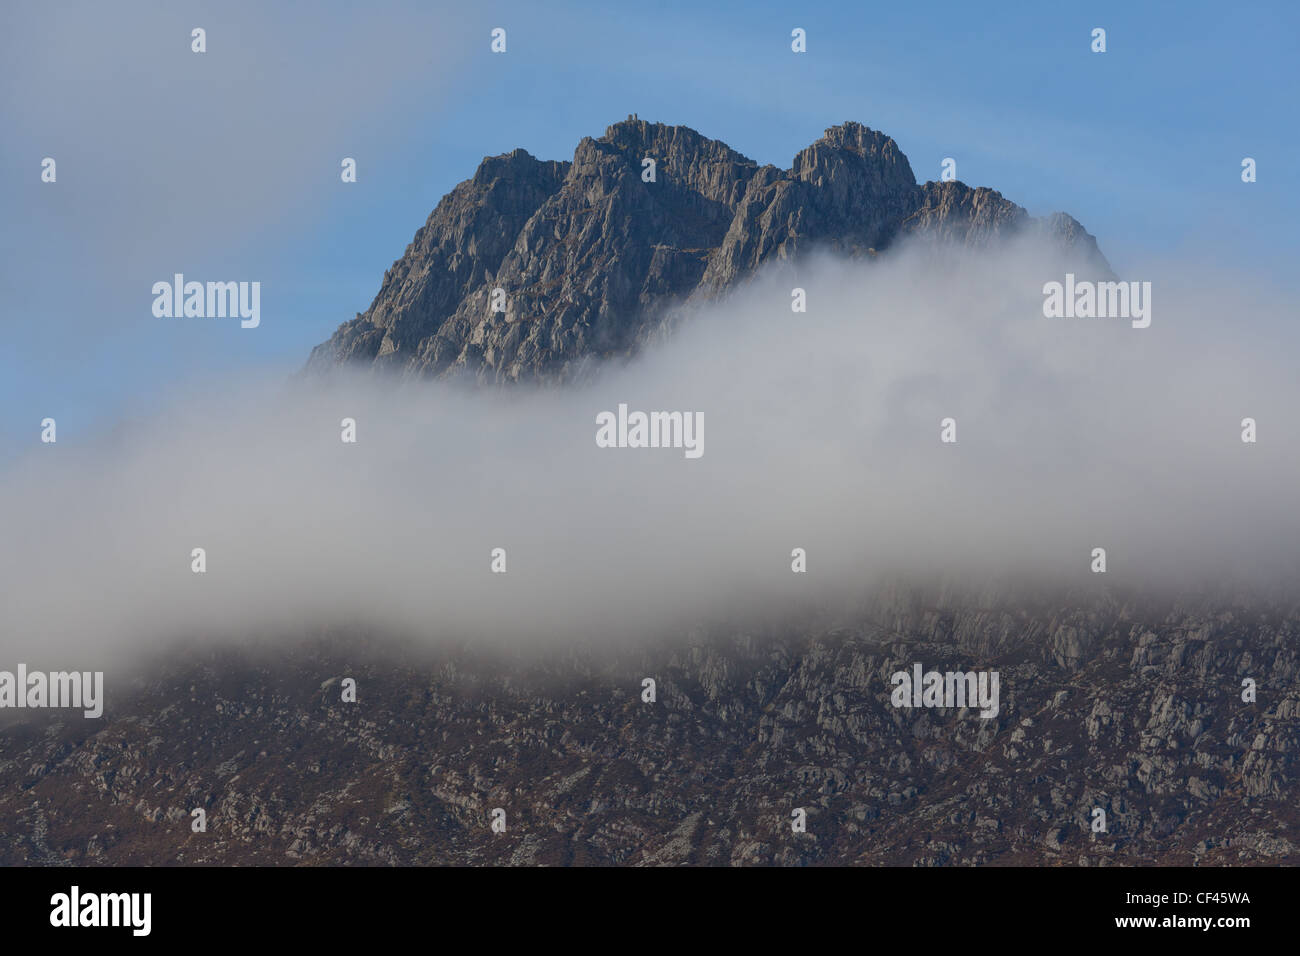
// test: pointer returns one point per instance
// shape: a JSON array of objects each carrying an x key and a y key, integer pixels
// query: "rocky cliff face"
[
  {"x": 592, "y": 259},
  {"x": 1129, "y": 707}
]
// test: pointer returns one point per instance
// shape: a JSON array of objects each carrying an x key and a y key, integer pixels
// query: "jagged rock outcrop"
[{"x": 592, "y": 258}]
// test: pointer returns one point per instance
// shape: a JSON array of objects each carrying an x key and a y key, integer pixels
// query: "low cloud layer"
[{"x": 821, "y": 432}]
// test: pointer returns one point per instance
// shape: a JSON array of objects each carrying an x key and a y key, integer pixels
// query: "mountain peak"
[
  {"x": 863, "y": 141},
  {"x": 594, "y": 254}
]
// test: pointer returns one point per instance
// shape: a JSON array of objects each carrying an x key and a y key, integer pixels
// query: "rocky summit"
[{"x": 593, "y": 256}]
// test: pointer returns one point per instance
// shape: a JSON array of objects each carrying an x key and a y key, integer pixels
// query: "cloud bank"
[{"x": 821, "y": 432}]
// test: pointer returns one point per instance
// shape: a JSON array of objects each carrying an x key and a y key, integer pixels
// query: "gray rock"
[{"x": 596, "y": 263}]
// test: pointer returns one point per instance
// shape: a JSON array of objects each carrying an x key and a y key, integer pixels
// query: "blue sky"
[{"x": 225, "y": 165}]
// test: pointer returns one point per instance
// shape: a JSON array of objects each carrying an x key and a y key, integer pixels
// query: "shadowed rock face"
[
  {"x": 593, "y": 259},
  {"x": 1126, "y": 706}
]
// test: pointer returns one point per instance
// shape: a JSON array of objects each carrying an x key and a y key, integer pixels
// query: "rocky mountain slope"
[
  {"x": 1127, "y": 706},
  {"x": 592, "y": 259}
]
